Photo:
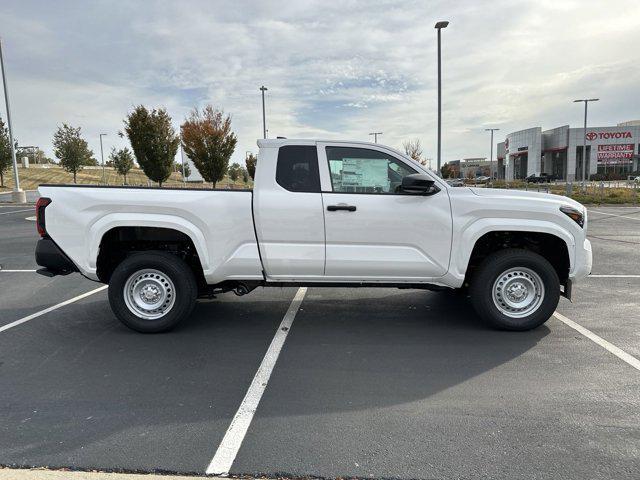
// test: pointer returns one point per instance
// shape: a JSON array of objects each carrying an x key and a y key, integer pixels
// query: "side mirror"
[{"x": 419, "y": 184}]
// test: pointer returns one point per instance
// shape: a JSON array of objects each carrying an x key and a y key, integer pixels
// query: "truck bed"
[{"x": 219, "y": 222}]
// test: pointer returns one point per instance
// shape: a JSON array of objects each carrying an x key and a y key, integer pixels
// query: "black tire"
[
  {"x": 177, "y": 299},
  {"x": 492, "y": 268}
]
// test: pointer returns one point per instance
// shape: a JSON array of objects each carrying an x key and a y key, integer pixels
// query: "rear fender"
[{"x": 108, "y": 222}]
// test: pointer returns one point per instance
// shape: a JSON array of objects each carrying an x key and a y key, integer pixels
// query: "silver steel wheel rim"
[
  {"x": 149, "y": 294},
  {"x": 518, "y": 292}
]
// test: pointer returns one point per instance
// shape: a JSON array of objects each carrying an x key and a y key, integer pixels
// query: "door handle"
[{"x": 348, "y": 208}]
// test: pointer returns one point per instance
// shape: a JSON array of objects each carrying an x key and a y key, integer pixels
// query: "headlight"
[{"x": 574, "y": 214}]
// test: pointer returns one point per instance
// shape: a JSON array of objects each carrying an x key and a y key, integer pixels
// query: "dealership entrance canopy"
[{"x": 558, "y": 152}]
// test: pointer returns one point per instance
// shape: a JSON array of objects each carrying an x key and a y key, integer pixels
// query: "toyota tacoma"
[{"x": 321, "y": 213}]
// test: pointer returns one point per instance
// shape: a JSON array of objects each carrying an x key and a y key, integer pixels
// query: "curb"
[{"x": 42, "y": 474}]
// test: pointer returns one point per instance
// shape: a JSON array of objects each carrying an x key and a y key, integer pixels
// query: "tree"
[
  {"x": 251, "y": 161},
  {"x": 71, "y": 149},
  {"x": 446, "y": 171},
  {"x": 413, "y": 148},
  {"x": 40, "y": 157},
  {"x": 208, "y": 141},
  {"x": 245, "y": 176},
  {"x": 154, "y": 141},
  {"x": 122, "y": 161},
  {"x": 6, "y": 160},
  {"x": 235, "y": 170}
]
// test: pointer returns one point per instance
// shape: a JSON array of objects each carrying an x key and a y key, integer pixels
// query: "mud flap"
[{"x": 566, "y": 290}]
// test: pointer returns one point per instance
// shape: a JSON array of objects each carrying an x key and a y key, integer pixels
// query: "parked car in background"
[
  {"x": 482, "y": 179},
  {"x": 540, "y": 178},
  {"x": 456, "y": 182},
  {"x": 321, "y": 213}
]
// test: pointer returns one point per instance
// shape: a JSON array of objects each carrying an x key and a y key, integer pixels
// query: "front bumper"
[
  {"x": 54, "y": 260},
  {"x": 583, "y": 261}
]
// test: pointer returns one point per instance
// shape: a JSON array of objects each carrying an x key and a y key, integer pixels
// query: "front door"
[{"x": 373, "y": 231}]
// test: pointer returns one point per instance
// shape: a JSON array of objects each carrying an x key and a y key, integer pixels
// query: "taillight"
[{"x": 41, "y": 204}]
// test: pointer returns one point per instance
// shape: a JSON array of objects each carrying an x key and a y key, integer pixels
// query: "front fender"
[{"x": 466, "y": 239}]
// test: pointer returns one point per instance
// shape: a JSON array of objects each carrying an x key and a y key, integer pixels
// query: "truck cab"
[{"x": 338, "y": 212}]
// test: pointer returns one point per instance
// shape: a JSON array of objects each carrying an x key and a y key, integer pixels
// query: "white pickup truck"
[{"x": 321, "y": 213}]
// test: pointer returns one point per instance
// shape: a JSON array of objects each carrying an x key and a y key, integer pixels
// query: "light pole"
[
  {"x": 439, "y": 26},
  {"x": 102, "y": 157},
  {"x": 491, "y": 157},
  {"x": 584, "y": 135},
  {"x": 264, "y": 120},
  {"x": 184, "y": 180},
  {"x": 18, "y": 195},
  {"x": 375, "y": 136}
]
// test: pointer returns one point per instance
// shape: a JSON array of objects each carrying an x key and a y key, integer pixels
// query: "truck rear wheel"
[
  {"x": 515, "y": 289},
  {"x": 152, "y": 292}
]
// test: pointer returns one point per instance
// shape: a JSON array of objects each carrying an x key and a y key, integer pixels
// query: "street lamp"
[
  {"x": 18, "y": 195},
  {"x": 584, "y": 135},
  {"x": 102, "y": 157},
  {"x": 184, "y": 180},
  {"x": 439, "y": 26},
  {"x": 375, "y": 136},
  {"x": 491, "y": 157},
  {"x": 264, "y": 121}
]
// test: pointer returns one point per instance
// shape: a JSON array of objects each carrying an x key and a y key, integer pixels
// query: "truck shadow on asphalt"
[
  {"x": 379, "y": 348},
  {"x": 101, "y": 391}
]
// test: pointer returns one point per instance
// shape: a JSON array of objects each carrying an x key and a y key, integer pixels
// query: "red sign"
[
  {"x": 615, "y": 154},
  {"x": 607, "y": 135}
]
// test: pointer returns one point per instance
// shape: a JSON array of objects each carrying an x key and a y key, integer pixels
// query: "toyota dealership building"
[{"x": 558, "y": 151}]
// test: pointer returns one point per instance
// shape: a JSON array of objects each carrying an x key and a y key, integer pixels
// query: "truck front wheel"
[
  {"x": 152, "y": 292},
  {"x": 515, "y": 289}
]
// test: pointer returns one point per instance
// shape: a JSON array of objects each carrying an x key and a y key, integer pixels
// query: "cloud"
[{"x": 333, "y": 69}]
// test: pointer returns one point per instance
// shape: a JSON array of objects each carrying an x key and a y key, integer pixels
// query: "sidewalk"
[
  {"x": 5, "y": 197},
  {"x": 38, "y": 474}
]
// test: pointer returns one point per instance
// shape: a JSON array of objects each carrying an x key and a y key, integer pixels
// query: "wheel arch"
[
  {"x": 489, "y": 235},
  {"x": 113, "y": 241}
]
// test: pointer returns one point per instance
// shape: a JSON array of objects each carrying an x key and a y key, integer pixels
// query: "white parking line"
[
  {"x": 17, "y": 211},
  {"x": 2, "y": 270},
  {"x": 50, "y": 309},
  {"x": 613, "y": 276},
  {"x": 228, "y": 448},
  {"x": 618, "y": 352},
  {"x": 614, "y": 215}
]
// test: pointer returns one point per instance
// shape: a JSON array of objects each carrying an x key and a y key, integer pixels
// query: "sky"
[{"x": 333, "y": 69}]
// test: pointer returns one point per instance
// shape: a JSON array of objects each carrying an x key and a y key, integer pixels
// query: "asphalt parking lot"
[{"x": 369, "y": 383}]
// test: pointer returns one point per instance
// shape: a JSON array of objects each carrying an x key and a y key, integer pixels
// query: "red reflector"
[{"x": 41, "y": 204}]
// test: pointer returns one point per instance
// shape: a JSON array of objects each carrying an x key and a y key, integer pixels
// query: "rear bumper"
[{"x": 54, "y": 260}]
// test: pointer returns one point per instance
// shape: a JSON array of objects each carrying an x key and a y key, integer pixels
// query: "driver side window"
[{"x": 361, "y": 170}]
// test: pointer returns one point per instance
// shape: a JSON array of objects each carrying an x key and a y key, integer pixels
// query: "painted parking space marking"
[
  {"x": 613, "y": 276},
  {"x": 2, "y": 270},
  {"x": 232, "y": 440},
  {"x": 17, "y": 211},
  {"x": 618, "y": 352},
  {"x": 616, "y": 215},
  {"x": 51, "y": 309}
]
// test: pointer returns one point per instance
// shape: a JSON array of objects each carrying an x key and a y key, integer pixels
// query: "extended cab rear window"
[{"x": 297, "y": 169}]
